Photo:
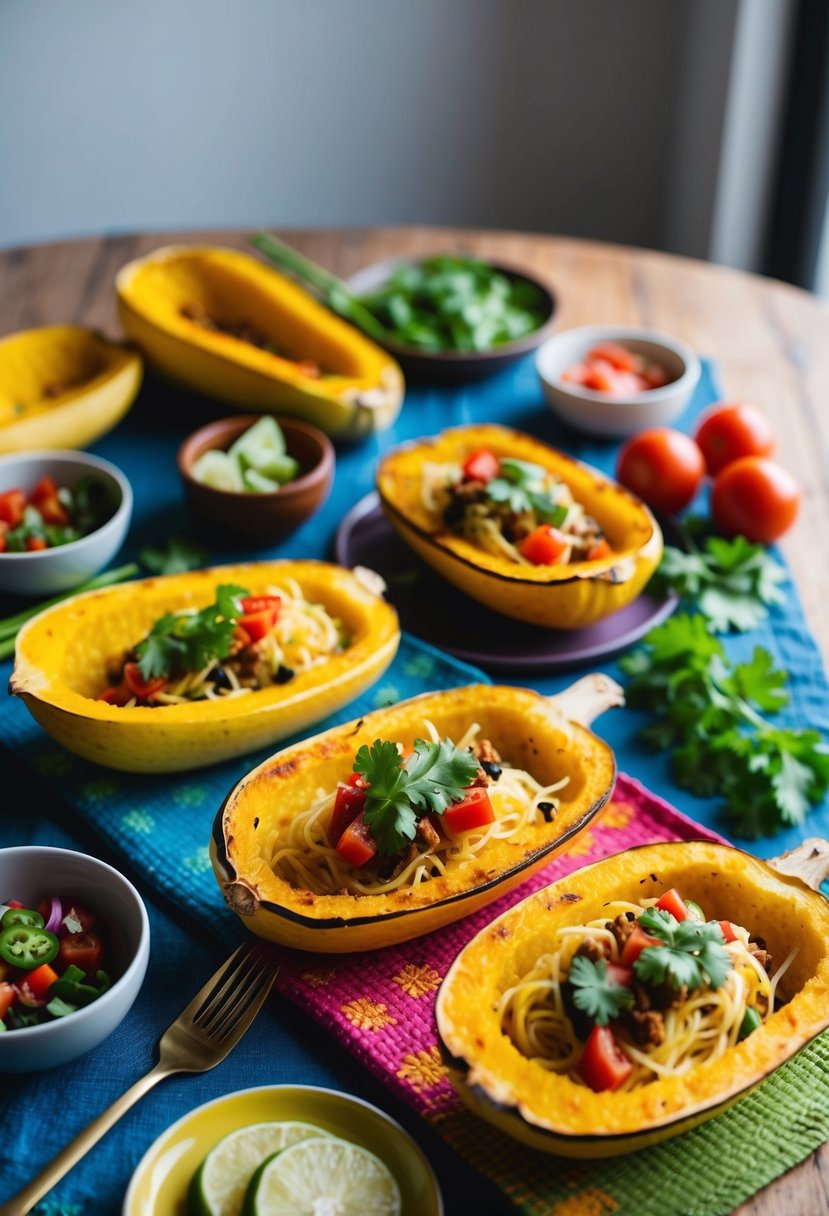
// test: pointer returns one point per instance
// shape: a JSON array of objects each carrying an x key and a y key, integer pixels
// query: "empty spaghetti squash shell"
[
  {"x": 571, "y": 596},
  {"x": 531, "y": 731},
  {"x": 549, "y": 1111},
  {"x": 63, "y": 656}
]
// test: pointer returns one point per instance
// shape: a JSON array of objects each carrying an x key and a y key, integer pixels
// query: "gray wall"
[{"x": 549, "y": 115}]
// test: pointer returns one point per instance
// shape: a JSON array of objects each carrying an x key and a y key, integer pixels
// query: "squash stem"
[
  {"x": 590, "y": 696},
  {"x": 12, "y": 624},
  {"x": 335, "y": 293}
]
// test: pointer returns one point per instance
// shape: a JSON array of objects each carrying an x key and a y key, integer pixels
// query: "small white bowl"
[
  {"x": 48, "y": 571},
  {"x": 32, "y": 872},
  {"x": 606, "y": 414}
]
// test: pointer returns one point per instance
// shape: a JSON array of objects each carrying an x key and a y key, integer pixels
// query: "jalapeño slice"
[{"x": 27, "y": 946}]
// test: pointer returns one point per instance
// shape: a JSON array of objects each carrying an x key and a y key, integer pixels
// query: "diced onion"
[{"x": 55, "y": 916}]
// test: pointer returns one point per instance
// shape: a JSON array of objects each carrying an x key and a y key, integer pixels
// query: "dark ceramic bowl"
[
  {"x": 456, "y": 367},
  {"x": 259, "y": 517}
]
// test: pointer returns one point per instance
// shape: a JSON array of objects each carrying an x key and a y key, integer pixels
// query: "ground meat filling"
[{"x": 757, "y": 948}]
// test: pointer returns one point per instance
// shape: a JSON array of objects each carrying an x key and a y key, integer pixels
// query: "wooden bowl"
[{"x": 259, "y": 517}]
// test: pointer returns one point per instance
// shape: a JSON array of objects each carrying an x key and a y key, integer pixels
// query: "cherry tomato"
[
  {"x": 664, "y": 467},
  {"x": 727, "y": 432},
  {"x": 85, "y": 950},
  {"x": 755, "y": 498}
]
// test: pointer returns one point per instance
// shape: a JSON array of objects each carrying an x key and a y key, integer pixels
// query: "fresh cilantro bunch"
[
  {"x": 432, "y": 777},
  {"x": 693, "y": 954},
  {"x": 709, "y": 711},
  {"x": 595, "y": 993},
  {"x": 731, "y": 582},
  {"x": 520, "y": 486},
  {"x": 187, "y": 641}
]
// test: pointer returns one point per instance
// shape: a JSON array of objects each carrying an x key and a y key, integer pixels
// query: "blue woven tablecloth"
[{"x": 127, "y": 819}]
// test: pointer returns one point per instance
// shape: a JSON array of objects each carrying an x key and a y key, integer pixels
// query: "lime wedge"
[
  {"x": 257, "y": 483},
  {"x": 323, "y": 1178},
  {"x": 280, "y": 468},
  {"x": 259, "y": 444},
  {"x": 217, "y": 469},
  {"x": 219, "y": 1184}
]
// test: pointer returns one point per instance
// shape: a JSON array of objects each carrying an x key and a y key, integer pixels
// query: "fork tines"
[{"x": 237, "y": 992}]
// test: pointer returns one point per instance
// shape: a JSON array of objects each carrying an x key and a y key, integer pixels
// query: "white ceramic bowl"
[
  {"x": 616, "y": 416},
  {"x": 48, "y": 571},
  {"x": 30, "y": 873}
]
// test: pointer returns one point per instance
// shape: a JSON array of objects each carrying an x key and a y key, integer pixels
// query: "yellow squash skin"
[
  {"x": 64, "y": 653},
  {"x": 524, "y": 726},
  {"x": 559, "y": 597},
  {"x": 360, "y": 392},
  {"x": 62, "y": 386},
  {"x": 551, "y": 1112}
]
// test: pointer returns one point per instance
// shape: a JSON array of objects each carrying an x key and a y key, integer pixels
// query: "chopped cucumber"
[
  {"x": 259, "y": 444},
  {"x": 257, "y": 483},
  {"x": 218, "y": 470},
  {"x": 257, "y": 462},
  {"x": 281, "y": 468}
]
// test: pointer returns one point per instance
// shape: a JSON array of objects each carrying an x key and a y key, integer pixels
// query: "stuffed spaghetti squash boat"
[
  {"x": 177, "y": 672},
  {"x": 639, "y": 996},
  {"x": 520, "y": 526},
  {"x": 392, "y": 826}
]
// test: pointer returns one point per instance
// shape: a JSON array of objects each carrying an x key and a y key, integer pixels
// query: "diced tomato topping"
[
  {"x": 482, "y": 465},
  {"x": 619, "y": 357},
  {"x": 357, "y": 845},
  {"x": 349, "y": 801},
  {"x": 603, "y": 1064},
  {"x": 40, "y": 980},
  {"x": 7, "y": 995},
  {"x": 53, "y": 511},
  {"x": 14, "y": 903},
  {"x": 242, "y": 636},
  {"x": 45, "y": 488},
  {"x": 728, "y": 931},
  {"x": 474, "y": 811},
  {"x": 12, "y": 506},
  {"x": 261, "y": 603},
  {"x": 138, "y": 686},
  {"x": 544, "y": 546},
  {"x": 655, "y": 375},
  {"x": 4, "y": 544},
  {"x": 119, "y": 695},
  {"x": 673, "y": 902},
  {"x": 577, "y": 374},
  {"x": 258, "y": 625},
  {"x": 619, "y": 975},
  {"x": 85, "y": 950},
  {"x": 599, "y": 550},
  {"x": 35, "y": 543},
  {"x": 638, "y": 941}
]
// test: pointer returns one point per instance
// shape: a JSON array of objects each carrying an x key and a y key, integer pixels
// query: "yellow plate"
[{"x": 159, "y": 1184}]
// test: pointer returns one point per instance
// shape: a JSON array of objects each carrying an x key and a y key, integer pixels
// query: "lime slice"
[
  {"x": 218, "y": 470},
  {"x": 219, "y": 1184},
  {"x": 323, "y": 1178},
  {"x": 257, "y": 483},
  {"x": 280, "y": 468},
  {"x": 259, "y": 444}
]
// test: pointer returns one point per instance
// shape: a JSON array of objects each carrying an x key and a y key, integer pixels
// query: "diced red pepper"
[
  {"x": 544, "y": 546},
  {"x": 257, "y": 625},
  {"x": 35, "y": 543},
  {"x": 482, "y": 465},
  {"x": 357, "y": 845},
  {"x": 12, "y": 506},
  {"x": 603, "y": 1065},
  {"x": 261, "y": 603},
  {"x": 349, "y": 801},
  {"x": 728, "y": 931},
  {"x": 40, "y": 980},
  {"x": 138, "y": 686},
  {"x": 638, "y": 941},
  {"x": 474, "y": 811},
  {"x": 7, "y": 998},
  {"x": 673, "y": 902},
  {"x": 599, "y": 550}
]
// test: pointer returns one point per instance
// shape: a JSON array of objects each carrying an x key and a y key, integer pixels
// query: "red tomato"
[
  {"x": 242, "y": 636},
  {"x": 654, "y": 375},
  {"x": 261, "y": 603},
  {"x": 599, "y": 550},
  {"x": 619, "y": 975},
  {"x": 45, "y": 488},
  {"x": 482, "y": 465},
  {"x": 755, "y": 498},
  {"x": 349, "y": 801},
  {"x": 119, "y": 695},
  {"x": 138, "y": 686},
  {"x": 577, "y": 374},
  {"x": 728, "y": 931},
  {"x": 473, "y": 811},
  {"x": 673, "y": 902},
  {"x": 617, "y": 356},
  {"x": 257, "y": 625},
  {"x": 4, "y": 544},
  {"x": 544, "y": 546},
  {"x": 727, "y": 432},
  {"x": 662, "y": 466},
  {"x": 7, "y": 996},
  {"x": 12, "y": 506},
  {"x": 638, "y": 941},
  {"x": 603, "y": 1064},
  {"x": 53, "y": 511},
  {"x": 85, "y": 950},
  {"x": 35, "y": 543},
  {"x": 357, "y": 844}
]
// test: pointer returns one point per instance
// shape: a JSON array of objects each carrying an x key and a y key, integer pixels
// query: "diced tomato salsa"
[{"x": 613, "y": 369}]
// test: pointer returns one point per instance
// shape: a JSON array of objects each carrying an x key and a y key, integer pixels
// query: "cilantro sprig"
[
  {"x": 432, "y": 777},
  {"x": 709, "y": 711},
  {"x": 731, "y": 582},
  {"x": 520, "y": 486},
  {"x": 187, "y": 641},
  {"x": 595, "y": 992},
  {"x": 693, "y": 954}
]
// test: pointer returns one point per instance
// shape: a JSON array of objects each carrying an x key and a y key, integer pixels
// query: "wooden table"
[{"x": 771, "y": 342}]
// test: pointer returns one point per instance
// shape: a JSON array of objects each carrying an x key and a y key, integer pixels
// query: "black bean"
[{"x": 283, "y": 674}]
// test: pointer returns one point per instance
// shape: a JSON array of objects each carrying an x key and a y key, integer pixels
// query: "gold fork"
[{"x": 199, "y": 1039}]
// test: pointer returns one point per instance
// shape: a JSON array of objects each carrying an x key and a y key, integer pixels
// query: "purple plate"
[{"x": 435, "y": 611}]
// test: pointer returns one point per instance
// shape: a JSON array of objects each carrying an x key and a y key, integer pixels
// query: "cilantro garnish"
[
  {"x": 732, "y": 582},
  {"x": 174, "y": 556},
  {"x": 187, "y": 641},
  {"x": 693, "y": 954},
  {"x": 709, "y": 711},
  {"x": 520, "y": 486},
  {"x": 595, "y": 993},
  {"x": 432, "y": 777}
]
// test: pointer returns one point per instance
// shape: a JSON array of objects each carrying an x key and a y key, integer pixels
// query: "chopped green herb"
[
  {"x": 520, "y": 486},
  {"x": 732, "y": 582},
  {"x": 595, "y": 993},
  {"x": 187, "y": 641},
  {"x": 693, "y": 954},
  {"x": 175, "y": 556}
]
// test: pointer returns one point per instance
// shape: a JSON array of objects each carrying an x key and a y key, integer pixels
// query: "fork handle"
[{"x": 25, "y": 1200}]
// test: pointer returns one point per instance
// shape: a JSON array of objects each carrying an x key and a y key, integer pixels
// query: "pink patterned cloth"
[{"x": 380, "y": 1005}]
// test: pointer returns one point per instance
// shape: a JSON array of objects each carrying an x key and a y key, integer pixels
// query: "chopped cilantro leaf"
[
  {"x": 187, "y": 641},
  {"x": 521, "y": 487},
  {"x": 732, "y": 582},
  {"x": 595, "y": 993},
  {"x": 693, "y": 954}
]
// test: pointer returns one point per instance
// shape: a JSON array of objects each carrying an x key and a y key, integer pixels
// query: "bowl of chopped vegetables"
[
  {"x": 451, "y": 318},
  {"x": 256, "y": 476},
  {"x": 63, "y": 517},
  {"x": 74, "y": 946}
]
